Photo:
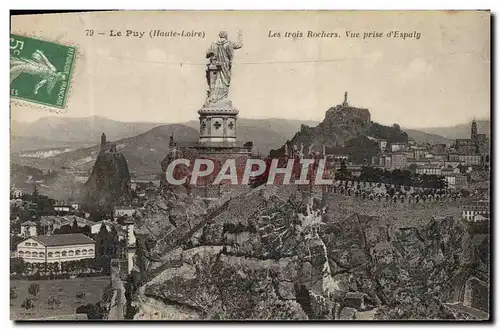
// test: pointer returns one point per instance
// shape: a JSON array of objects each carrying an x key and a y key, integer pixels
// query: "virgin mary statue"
[{"x": 220, "y": 55}]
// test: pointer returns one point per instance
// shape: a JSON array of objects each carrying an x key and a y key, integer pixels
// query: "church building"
[{"x": 477, "y": 144}]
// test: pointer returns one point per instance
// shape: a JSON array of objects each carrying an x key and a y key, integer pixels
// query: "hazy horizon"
[
  {"x": 63, "y": 116},
  {"x": 440, "y": 80}
]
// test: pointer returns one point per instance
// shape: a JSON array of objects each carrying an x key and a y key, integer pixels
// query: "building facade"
[
  {"x": 475, "y": 208},
  {"x": 470, "y": 159},
  {"x": 429, "y": 169},
  {"x": 478, "y": 143},
  {"x": 56, "y": 248},
  {"x": 62, "y": 208},
  {"x": 16, "y": 193},
  {"x": 28, "y": 229},
  {"x": 398, "y": 160},
  {"x": 398, "y": 147},
  {"x": 124, "y": 211},
  {"x": 455, "y": 179},
  {"x": 383, "y": 145}
]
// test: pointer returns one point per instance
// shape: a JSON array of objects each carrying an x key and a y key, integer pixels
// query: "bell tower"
[{"x": 473, "y": 130}]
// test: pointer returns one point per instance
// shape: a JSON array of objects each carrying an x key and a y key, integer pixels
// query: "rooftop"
[
  {"x": 124, "y": 208},
  {"x": 65, "y": 220},
  {"x": 64, "y": 239},
  {"x": 429, "y": 166},
  {"x": 152, "y": 177}
]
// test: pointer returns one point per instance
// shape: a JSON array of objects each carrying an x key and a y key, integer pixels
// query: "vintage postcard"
[{"x": 250, "y": 165}]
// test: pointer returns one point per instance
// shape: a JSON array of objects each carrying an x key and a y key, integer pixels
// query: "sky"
[{"x": 441, "y": 79}]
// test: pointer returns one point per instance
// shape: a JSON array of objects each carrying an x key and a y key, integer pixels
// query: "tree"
[
  {"x": 34, "y": 290},
  {"x": 17, "y": 266},
  {"x": 14, "y": 240},
  {"x": 342, "y": 173},
  {"x": 13, "y": 294},
  {"x": 412, "y": 168},
  {"x": 49, "y": 268},
  {"x": 75, "y": 227},
  {"x": 85, "y": 264},
  {"x": 79, "y": 296},
  {"x": 93, "y": 311},
  {"x": 113, "y": 243},
  {"x": 55, "y": 267},
  {"x": 27, "y": 304}
]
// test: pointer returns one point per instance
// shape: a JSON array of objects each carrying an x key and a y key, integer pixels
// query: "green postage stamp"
[{"x": 40, "y": 71}]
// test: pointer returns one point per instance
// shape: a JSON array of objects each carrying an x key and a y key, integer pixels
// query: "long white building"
[{"x": 56, "y": 248}]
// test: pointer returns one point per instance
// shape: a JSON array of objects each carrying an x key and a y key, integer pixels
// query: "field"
[{"x": 64, "y": 290}]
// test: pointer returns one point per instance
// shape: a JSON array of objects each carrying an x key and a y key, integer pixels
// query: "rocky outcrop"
[
  {"x": 272, "y": 254},
  {"x": 340, "y": 125},
  {"x": 109, "y": 183},
  {"x": 345, "y": 130}
]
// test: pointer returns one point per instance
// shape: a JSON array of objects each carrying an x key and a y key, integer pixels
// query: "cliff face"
[
  {"x": 270, "y": 254},
  {"x": 109, "y": 183}
]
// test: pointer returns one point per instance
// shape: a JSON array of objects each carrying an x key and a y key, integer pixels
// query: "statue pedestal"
[
  {"x": 218, "y": 124},
  {"x": 218, "y": 131}
]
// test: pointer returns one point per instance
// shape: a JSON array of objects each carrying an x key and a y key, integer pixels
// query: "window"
[
  {"x": 28, "y": 244},
  {"x": 34, "y": 244},
  {"x": 21, "y": 253},
  {"x": 50, "y": 254},
  {"x": 84, "y": 252},
  {"x": 91, "y": 251},
  {"x": 77, "y": 252},
  {"x": 41, "y": 254},
  {"x": 71, "y": 253},
  {"x": 28, "y": 254},
  {"x": 57, "y": 254},
  {"x": 34, "y": 254},
  {"x": 64, "y": 253}
]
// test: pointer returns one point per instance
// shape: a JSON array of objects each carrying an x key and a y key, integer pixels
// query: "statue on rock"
[{"x": 218, "y": 72}]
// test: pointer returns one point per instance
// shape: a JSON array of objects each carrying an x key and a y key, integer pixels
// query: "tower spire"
[
  {"x": 103, "y": 141},
  {"x": 473, "y": 130},
  {"x": 171, "y": 142}
]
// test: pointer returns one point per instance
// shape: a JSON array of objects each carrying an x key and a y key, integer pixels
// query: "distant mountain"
[
  {"x": 422, "y": 137},
  {"x": 461, "y": 131},
  {"x": 57, "y": 132},
  {"x": 143, "y": 152},
  {"x": 87, "y": 129},
  {"x": 29, "y": 143}
]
